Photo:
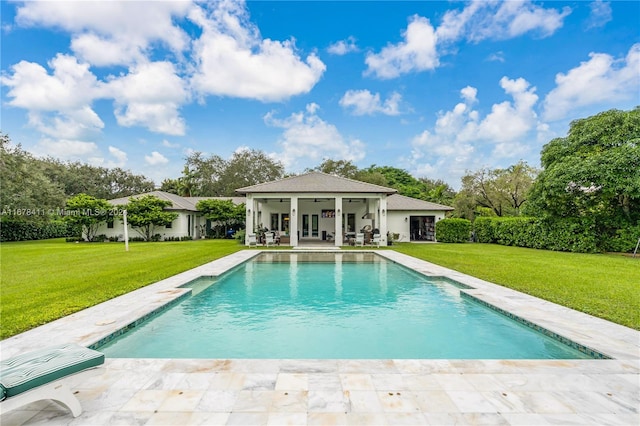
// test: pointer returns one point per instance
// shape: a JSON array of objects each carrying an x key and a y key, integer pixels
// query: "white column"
[
  {"x": 250, "y": 211},
  {"x": 338, "y": 222},
  {"x": 293, "y": 221},
  {"x": 383, "y": 220}
]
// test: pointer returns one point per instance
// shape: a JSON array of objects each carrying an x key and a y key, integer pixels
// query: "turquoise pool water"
[{"x": 321, "y": 305}]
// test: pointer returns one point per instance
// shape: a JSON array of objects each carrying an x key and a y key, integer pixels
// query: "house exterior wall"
[
  {"x": 182, "y": 226},
  {"x": 397, "y": 224}
]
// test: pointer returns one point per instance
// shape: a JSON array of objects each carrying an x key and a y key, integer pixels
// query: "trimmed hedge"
[
  {"x": 453, "y": 230},
  {"x": 20, "y": 230},
  {"x": 574, "y": 235},
  {"x": 625, "y": 239}
]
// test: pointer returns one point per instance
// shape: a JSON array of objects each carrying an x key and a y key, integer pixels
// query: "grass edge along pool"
[{"x": 334, "y": 305}]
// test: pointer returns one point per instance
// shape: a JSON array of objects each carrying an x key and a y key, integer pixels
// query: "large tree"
[
  {"x": 88, "y": 212},
  {"x": 25, "y": 185},
  {"x": 501, "y": 191},
  {"x": 342, "y": 168},
  {"x": 100, "y": 182},
  {"x": 214, "y": 177},
  {"x": 593, "y": 173},
  {"x": 248, "y": 167},
  {"x": 223, "y": 213},
  {"x": 146, "y": 213}
]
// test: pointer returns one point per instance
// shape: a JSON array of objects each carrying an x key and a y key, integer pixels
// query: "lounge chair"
[
  {"x": 359, "y": 240},
  {"x": 269, "y": 240},
  {"x": 37, "y": 375},
  {"x": 376, "y": 240},
  {"x": 251, "y": 238}
]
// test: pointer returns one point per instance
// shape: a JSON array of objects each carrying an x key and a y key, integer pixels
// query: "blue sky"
[{"x": 436, "y": 88}]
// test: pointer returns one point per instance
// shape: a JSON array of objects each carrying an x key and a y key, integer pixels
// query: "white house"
[
  {"x": 317, "y": 206},
  {"x": 412, "y": 219},
  {"x": 189, "y": 223},
  {"x": 312, "y": 207}
]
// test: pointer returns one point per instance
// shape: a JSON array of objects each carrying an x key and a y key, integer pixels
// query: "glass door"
[
  {"x": 305, "y": 225},
  {"x": 314, "y": 225}
]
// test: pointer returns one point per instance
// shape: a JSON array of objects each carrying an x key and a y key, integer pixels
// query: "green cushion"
[{"x": 33, "y": 369}]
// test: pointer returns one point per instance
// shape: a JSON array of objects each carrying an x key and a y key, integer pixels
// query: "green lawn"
[
  {"x": 46, "y": 280},
  {"x": 603, "y": 285}
]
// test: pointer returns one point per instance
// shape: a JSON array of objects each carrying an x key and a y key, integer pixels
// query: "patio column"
[
  {"x": 249, "y": 224},
  {"x": 293, "y": 221},
  {"x": 383, "y": 219},
  {"x": 338, "y": 222}
]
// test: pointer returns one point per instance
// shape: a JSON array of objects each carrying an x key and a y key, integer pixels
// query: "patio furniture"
[
  {"x": 359, "y": 239},
  {"x": 38, "y": 375},
  {"x": 375, "y": 241},
  {"x": 252, "y": 240},
  {"x": 269, "y": 240}
]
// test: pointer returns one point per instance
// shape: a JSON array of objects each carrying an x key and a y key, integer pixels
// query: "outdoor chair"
[
  {"x": 252, "y": 240},
  {"x": 359, "y": 240},
  {"x": 269, "y": 240},
  {"x": 375, "y": 241},
  {"x": 37, "y": 375}
]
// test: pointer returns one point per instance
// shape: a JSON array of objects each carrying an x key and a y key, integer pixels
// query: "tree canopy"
[
  {"x": 213, "y": 176},
  {"x": 223, "y": 213},
  {"x": 45, "y": 184},
  {"x": 147, "y": 213},
  {"x": 593, "y": 173},
  {"x": 495, "y": 192},
  {"x": 88, "y": 212}
]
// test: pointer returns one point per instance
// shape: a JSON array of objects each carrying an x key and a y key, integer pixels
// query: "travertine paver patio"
[{"x": 325, "y": 392}]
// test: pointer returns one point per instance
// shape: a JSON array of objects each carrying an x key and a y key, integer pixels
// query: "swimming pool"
[{"x": 327, "y": 306}]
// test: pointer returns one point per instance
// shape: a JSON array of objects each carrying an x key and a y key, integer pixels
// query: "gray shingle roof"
[
  {"x": 177, "y": 202},
  {"x": 315, "y": 182},
  {"x": 400, "y": 202}
]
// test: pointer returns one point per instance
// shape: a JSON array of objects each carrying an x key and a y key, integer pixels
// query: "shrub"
[
  {"x": 625, "y": 240},
  {"x": 20, "y": 230},
  {"x": 239, "y": 235},
  {"x": 574, "y": 235},
  {"x": 453, "y": 230}
]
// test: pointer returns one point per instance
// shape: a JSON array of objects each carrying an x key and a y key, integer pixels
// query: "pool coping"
[{"x": 621, "y": 343}]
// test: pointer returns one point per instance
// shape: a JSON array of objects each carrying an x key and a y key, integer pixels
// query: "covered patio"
[{"x": 317, "y": 208}]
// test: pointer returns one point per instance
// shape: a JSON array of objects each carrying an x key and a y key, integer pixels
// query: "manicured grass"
[
  {"x": 46, "y": 280},
  {"x": 603, "y": 285}
]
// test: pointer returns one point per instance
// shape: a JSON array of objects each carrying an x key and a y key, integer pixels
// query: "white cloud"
[
  {"x": 511, "y": 121},
  {"x": 307, "y": 140},
  {"x": 168, "y": 144},
  {"x": 234, "y": 61},
  {"x": 364, "y": 102},
  {"x": 58, "y": 104},
  {"x": 150, "y": 95},
  {"x": 416, "y": 53},
  {"x": 600, "y": 14},
  {"x": 482, "y": 20},
  {"x": 71, "y": 85},
  {"x": 462, "y": 140},
  {"x": 72, "y": 150},
  {"x": 110, "y": 32},
  {"x": 155, "y": 159},
  {"x": 602, "y": 80},
  {"x": 119, "y": 155},
  {"x": 343, "y": 47},
  {"x": 496, "y": 57}
]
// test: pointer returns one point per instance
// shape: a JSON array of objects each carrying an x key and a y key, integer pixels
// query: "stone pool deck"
[{"x": 344, "y": 392}]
